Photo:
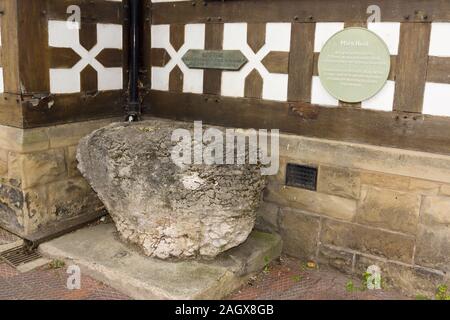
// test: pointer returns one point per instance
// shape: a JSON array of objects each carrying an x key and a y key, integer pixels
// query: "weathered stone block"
[
  {"x": 3, "y": 163},
  {"x": 388, "y": 209},
  {"x": 300, "y": 233},
  {"x": 169, "y": 210},
  {"x": 37, "y": 168},
  {"x": 267, "y": 217},
  {"x": 36, "y": 210},
  {"x": 433, "y": 247},
  {"x": 71, "y": 133},
  {"x": 424, "y": 187},
  {"x": 386, "y": 181},
  {"x": 435, "y": 211},
  {"x": 11, "y": 208},
  {"x": 72, "y": 163},
  {"x": 339, "y": 181},
  {"x": 71, "y": 197},
  {"x": 411, "y": 280},
  {"x": 333, "y": 206},
  {"x": 427, "y": 166},
  {"x": 280, "y": 177},
  {"x": 338, "y": 259},
  {"x": 445, "y": 190},
  {"x": 35, "y": 140},
  {"x": 368, "y": 240}
]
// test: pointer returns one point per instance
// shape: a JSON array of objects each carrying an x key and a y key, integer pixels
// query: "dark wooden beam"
[
  {"x": 412, "y": 64},
  {"x": 389, "y": 129},
  {"x": 254, "y": 11},
  {"x": 75, "y": 107},
  {"x": 301, "y": 62}
]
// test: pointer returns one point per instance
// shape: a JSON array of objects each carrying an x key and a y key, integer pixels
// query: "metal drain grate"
[
  {"x": 301, "y": 176},
  {"x": 16, "y": 257}
]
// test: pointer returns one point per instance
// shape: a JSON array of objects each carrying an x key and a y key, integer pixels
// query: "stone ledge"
[
  {"x": 100, "y": 254},
  {"x": 422, "y": 165},
  {"x": 40, "y": 139}
]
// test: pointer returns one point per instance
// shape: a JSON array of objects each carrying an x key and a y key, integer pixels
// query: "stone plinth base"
[
  {"x": 372, "y": 206},
  {"x": 99, "y": 253},
  {"x": 41, "y": 190}
]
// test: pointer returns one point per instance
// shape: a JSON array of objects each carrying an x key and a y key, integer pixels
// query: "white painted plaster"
[
  {"x": 437, "y": 99},
  {"x": 68, "y": 80},
  {"x": 194, "y": 39}
]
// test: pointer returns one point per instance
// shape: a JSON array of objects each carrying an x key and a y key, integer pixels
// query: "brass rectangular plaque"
[{"x": 215, "y": 59}]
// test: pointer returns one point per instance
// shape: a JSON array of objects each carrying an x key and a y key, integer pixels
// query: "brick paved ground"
[
  {"x": 288, "y": 279},
  {"x": 50, "y": 284},
  {"x": 46, "y": 283}
]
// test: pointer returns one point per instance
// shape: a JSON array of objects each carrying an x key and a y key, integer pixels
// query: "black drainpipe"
[{"x": 134, "y": 106}]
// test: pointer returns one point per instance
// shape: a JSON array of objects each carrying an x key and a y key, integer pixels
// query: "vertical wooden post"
[
  {"x": 33, "y": 47},
  {"x": 10, "y": 105},
  {"x": 301, "y": 62},
  {"x": 212, "y": 79},
  {"x": 412, "y": 66}
]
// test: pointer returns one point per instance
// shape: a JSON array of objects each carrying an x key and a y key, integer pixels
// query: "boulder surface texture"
[{"x": 167, "y": 210}]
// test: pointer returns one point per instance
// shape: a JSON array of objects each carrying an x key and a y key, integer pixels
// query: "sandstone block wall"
[
  {"x": 39, "y": 182},
  {"x": 373, "y": 205}
]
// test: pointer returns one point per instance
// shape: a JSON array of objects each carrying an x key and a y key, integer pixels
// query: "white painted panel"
[
  {"x": 319, "y": 95},
  {"x": 64, "y": 81},
  {"x": 278, "y": 36},
  {"x": 275, "y": 87},
  {"x": 59, "y": 35},
  {"x": 160, "y": 35},
  {"x": 160, "y": 80},
  {"x": 324, "y": 31},
  {"x": 194, "y": 36},
  {"x": 68, "y": 80},
  {"x": 389, "y": 32},
  {"x": 383, "y": 100},
  {"x": 232, "y": 85},
  {"x": 437, "y": 99},
  {"x": 235, "y": 38},
  {"x": 439, "y": 42},
  {"x": 110, "y": 79},
  {"x": 109, "y": 36},
  {"x": 193, "y": 81}
]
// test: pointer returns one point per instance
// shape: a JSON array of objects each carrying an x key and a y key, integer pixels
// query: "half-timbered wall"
[
  {"x": 280, "y": 87},
  {"x": 58, "y": 83},
  {"x": 56, "y": 73},
  {"x": 373, "y": 204}
]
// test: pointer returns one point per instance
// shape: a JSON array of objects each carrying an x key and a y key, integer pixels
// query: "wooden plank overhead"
[
  {"x": 390, "y": 129},
  {"x": 257, "y": 11},
  {"x": 92, "y": 10}
]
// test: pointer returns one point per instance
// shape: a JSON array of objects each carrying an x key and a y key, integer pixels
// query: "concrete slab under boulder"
[{"x": 98, "y": 251}]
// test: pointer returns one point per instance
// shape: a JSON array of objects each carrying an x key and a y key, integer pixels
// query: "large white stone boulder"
[{"x": 167, "y": 210}]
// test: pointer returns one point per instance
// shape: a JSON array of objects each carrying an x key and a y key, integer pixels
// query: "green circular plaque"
[{"x": 354, "y": 64}]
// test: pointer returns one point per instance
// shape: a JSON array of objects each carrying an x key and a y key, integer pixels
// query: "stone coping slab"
[{"x": 100, "y": 254}]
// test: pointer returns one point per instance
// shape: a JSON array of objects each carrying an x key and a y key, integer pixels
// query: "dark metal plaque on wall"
[{"x": 215, "y": 59}]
